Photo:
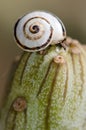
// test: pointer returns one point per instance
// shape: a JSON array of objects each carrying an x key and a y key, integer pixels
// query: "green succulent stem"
[{"x": 48, "y": 91}]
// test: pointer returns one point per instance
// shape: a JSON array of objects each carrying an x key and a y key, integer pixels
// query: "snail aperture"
[{"x": 37, "y": 30}]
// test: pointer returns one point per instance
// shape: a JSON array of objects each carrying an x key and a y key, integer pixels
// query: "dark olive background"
[{"x": 71, "y": 12}]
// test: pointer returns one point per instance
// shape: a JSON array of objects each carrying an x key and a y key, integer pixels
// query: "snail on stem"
[
  {"x": 37, "y": 30},
  {"x": 47, "y": 92}
]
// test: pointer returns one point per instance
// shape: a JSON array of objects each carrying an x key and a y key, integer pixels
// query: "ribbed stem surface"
[{"x": 47, "y": 94}]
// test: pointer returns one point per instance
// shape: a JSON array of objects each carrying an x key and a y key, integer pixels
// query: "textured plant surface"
[{"x": 48, "y": 91}]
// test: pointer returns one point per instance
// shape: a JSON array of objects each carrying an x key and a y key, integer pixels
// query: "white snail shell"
[{"x": 37, "y": 30}]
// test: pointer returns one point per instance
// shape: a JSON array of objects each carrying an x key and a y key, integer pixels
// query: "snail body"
[{"x": 37, "y": 30}]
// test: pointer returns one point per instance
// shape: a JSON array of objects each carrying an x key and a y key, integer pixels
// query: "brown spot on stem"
[
  {"x": 59, "y": 59},
  {"x": 19, "y": 104}
]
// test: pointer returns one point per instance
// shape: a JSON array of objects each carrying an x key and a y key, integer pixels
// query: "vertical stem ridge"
[
  {"x": 43, "y": 81},
  {"x": 81, "y": 67},
  {"x": 24, "y": 68},
  {"x": 66, "y": 84},
  {"x": 49, "y": 97},
  {"x": 12, "y": 121},
  {"x": 81, "y": 75},
  {"x": 25, "y": 112}
]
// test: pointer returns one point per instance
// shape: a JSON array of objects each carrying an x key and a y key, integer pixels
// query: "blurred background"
[{"x": 71, "y": 12}]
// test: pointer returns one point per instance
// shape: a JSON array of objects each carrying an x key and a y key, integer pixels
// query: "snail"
[{"x": 37, "y": 30}]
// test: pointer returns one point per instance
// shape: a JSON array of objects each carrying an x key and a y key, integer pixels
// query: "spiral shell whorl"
[{"x": 35, "y": 31}]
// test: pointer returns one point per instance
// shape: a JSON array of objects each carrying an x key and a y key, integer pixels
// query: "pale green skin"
[{"x": 55, "y": 93}]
